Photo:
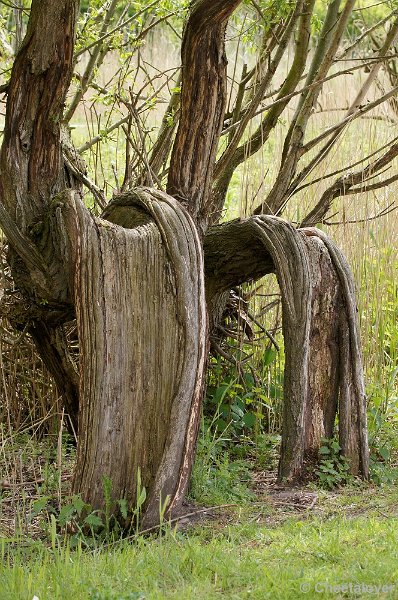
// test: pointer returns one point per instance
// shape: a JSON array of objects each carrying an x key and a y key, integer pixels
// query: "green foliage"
[
  {"x": 81, "y": 524},
  {"x": 383, "y": 426},
  {"x": 333, "y": 469},
  {"x": 380, "y": 340},
  {"x": 239, "y": 403},
  {"x": 217, "y": 478},
  {"x": 75, "y": 517}
]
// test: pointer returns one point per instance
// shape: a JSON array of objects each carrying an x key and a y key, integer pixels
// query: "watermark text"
[{"x": 323, "y": 587}]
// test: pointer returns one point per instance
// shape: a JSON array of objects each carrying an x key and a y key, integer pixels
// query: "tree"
[{"x": 148, "y": 281}]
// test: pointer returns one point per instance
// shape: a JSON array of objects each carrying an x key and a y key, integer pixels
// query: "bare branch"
[
  {"x": 162, "y": 146},
  {"x": 104, "y": 134},
  {"x": 322, "y": 62},
  {"x": 345, "y": 183},
  {"x": 351, "y": 115},
  {"x": 284, "y": 187},
  {"x": 233, "y": 156},
  {"x": 346, "y": 167},
  {"x": 336, "y": 132},
  {"x": 386, "y": 211},
  {"x": 365, "y": 34},
  {"x": 286, "y": 98},
  {"x": 94, "y": 189},
  {"x": 300, "y": 55}
]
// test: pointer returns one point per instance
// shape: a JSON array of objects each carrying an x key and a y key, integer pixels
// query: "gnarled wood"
[
  {"x": 287, "y": 248},
  {"x": 142, "y": 331},
  {"x": 233, "y": 255},
  {"x": 322, "y": 347},
  {"x": 324, "y": 350},
  {"x": 31, "y": 164},
  {"x": 353, "y": 431}
]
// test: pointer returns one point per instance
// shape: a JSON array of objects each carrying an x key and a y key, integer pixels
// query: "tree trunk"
[
  {"x": 323, "y": 366},
  {"x": 353, "y": 432},
  {"x": 142, "y": 325},
  {"x": 322, "y": 347},
  {"x": 324, "y": 358}
]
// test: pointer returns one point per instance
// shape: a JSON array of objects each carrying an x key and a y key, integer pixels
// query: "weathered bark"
[
  {"x": 31, "y": 172},
  {"x": 287, "y": 248},
  {"x": 31, "y": 157},
  {"x": 353, "y": 432},
  {"x": 324, "y": 352},
  {"x": 203, "y": 99},
  {"x": 141, "y": 318},
  {"x": 31, "y": 164},
  {"x": 322, "y": 347},
  {"x": 323, "y": 368},
  {"x": 233, "y": 255}
]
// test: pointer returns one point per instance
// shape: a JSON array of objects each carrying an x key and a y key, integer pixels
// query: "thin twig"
[
  {"x": 308, "y": 87},
  {"x": 114, "y": 30},
  {"x": 389, "y": 209},
  {"x": 94, "y": 189}
]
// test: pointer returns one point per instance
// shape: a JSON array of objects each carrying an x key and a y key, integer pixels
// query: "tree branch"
[
  {"x": 300, "y": 57},
  {"x": 203, "y": 100},
  {"x": 344, "y": 185},
  {"x": 323, "y": 60},
  {"x": 233, "y": 255},
  {"x": 224, "y": 171}
]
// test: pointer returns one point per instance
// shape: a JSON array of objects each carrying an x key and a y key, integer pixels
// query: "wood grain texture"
[
  {"x": 288, "y": 250},
  {"x": 31, "y": 163},
  {"x": 353, "y": 431},
  {"x": 322, "y": 348},
  {"x": 324, "y": 351},
  {"x": 142, "y": 330}
]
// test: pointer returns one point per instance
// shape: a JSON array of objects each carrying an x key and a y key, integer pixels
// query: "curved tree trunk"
[
  {"x": 141, "y": 315},
  {"x": 323, "y": 365},
  {"x": 322, "y": 348},
  {"x": 353, "y": 431}
]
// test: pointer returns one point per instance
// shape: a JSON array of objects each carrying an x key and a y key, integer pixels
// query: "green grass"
[{"x": 255, "y": 552}]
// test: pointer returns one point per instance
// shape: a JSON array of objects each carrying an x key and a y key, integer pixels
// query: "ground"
[{"x": 282, "y": 543}]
